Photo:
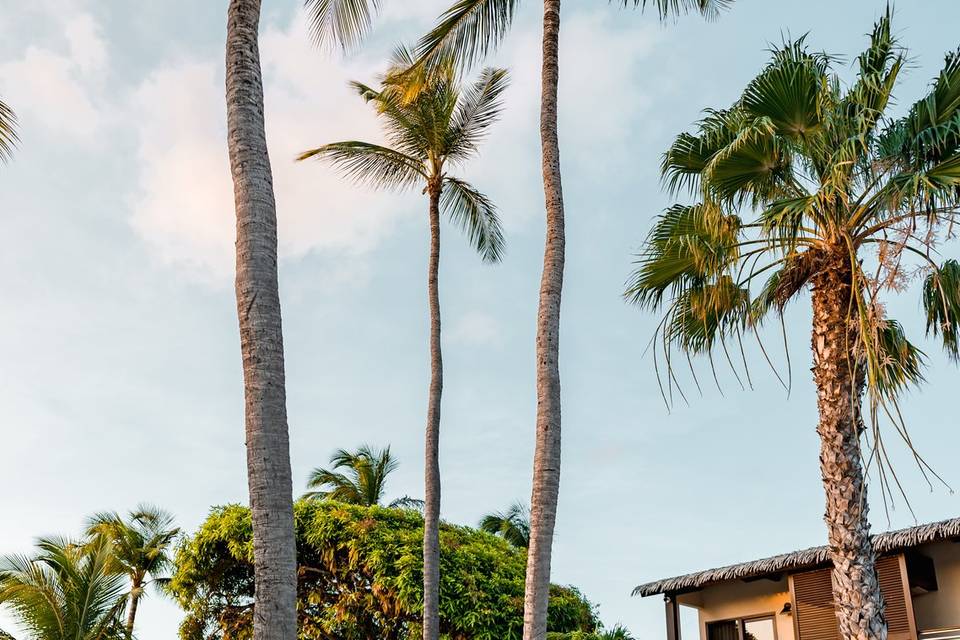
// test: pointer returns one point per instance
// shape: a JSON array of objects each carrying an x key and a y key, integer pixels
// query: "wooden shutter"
[
  {"x": 899, "y": 607},
  {"x": 815, "y": 614}
]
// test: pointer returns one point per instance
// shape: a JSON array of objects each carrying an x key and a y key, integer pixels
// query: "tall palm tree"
[
  {"x": 466, "y": 32},
  {"x": 513, "y": 525},
  {"x": 335, "y": 22},
  {"x": 430, "y": 133},
  {"x": 840, "y": 200},
  {"x": 8, "y": 131},
  {"x": 364, "y": 482},
  {"x": 67, "y": 591},
  {"x": 141, "y": 548}
]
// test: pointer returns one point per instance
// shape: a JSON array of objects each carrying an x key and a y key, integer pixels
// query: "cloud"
[
  {"x": 55, "y": 87},
  {"x": 183, "y": 206}
]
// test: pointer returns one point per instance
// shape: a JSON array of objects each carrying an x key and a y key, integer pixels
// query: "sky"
[{"x": 120, "y": 373}]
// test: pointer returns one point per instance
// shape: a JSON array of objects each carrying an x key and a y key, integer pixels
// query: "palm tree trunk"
[
  {"x": 261, "y": 339},
  {"x": 546, "y": 461},
  {"x": 431, "y": 511},
  {"x": 855, "y": 586},
  {"x": 135, "y": 589}
]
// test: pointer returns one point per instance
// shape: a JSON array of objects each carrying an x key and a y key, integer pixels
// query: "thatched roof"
[{"x": 883, "y": 543}]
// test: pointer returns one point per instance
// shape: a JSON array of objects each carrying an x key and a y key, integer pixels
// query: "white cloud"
[
  {"x": 56, "y": 87},
  {"x": 184, "y": 203}
]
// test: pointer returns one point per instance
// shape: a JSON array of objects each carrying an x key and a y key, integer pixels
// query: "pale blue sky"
[{"x": 120, "y": 374}]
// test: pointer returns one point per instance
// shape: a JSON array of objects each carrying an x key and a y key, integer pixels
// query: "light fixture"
[{"x": 787, "y": 609}]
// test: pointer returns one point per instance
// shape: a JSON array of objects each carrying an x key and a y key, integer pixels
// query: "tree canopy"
[{"x": 360, "y": 576}]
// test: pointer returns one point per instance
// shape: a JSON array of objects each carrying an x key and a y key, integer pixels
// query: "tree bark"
[
  {"x": 856, "y": 588},
  {"x": 431, "y": 510},
  {"x": 261, "y": 339},
  {"x": 135, "y": 592},
  {"x": 546, "y": 462}
]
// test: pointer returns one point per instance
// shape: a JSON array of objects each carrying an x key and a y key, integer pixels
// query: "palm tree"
[
  {"x": 364, "y": 483},
  {"x": 67, "y": 591},
  {"x": 336, "y": 22},
  {"x": 8, "y": 131},
  {"x": 845, "y": 202},
  {"x": 429, "y": 133},
  {"x": 141, "y": 549},
  {"x": 466, "y": 32},
  {"x": 513, "y": 525}
]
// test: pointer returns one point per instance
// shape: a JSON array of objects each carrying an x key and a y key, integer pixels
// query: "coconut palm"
[
  {"x": 141, "y": 548},
  {"x": 465, "y": 33},
  {"x": 429, "y": 133},
  {"x": 513, "y": 525},
  {"x": 838, "y": 199},
  {"x": 8, "y": 131},
  {"x": 67, "y": 591},
  {"x": 364, "y": 482},
  {"x": 258, "y": 304}
]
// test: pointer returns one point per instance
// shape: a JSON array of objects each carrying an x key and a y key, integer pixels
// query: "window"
[{"x": 762, "y": 628}]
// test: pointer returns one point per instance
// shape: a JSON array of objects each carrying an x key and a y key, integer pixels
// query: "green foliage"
[
  {"x": 803, "y": 176},
  {"x": 617, "y": 632},
  {"x": 66, "y": 590},
  {"x": 432, "y": 124},
  {"x": 361, "y": 576},
  {"x": 141, "y": 543},
  {"x": 513, "y": 525}
]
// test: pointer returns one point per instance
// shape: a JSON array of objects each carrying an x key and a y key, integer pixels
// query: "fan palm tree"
[
  {"x": 429, "y": 134},
  {"x": 141, "y": 549},
  {"x": 67, "y": 591},
  {"x": 465, "y": 33},
  {"x": 8, "y": 131},
  {"x": 843, "y": 201},
  {"x": 513, "y": 525}
]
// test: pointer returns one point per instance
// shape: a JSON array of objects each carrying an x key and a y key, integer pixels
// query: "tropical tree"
[
  {"x": 67, "y": 591},
  {"x": 838, "y": 198},
  {"x": 429, "y": 134},
  {"x": 360, "y": 577},
  {"x": 8, "y": 131},
  {"x": 141, "y": 550},
  {"x": 513, "y": 525},
  {"x": 465, "y": 33},
  {"x": 364, "y": 482}
]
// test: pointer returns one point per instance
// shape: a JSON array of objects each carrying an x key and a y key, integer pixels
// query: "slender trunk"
[
  {"x": 856, "y": 589},
  {"x": 135, "y": 591},
  {"x": 546, "y": 461},
  {"x": 261, "y": 339},
  {"x": 431, "y": 507}
]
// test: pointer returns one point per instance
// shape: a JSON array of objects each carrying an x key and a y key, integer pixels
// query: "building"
[{"x": 789, "y": 597}]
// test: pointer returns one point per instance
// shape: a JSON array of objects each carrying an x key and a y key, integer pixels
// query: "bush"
[{"x": 361, "y": 576}]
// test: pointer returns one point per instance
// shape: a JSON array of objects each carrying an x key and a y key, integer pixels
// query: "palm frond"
[
  {"x": 672, "y": 8},
  {"x": 513, "y": 525},
  {"x": 370, "y": 164},
  {"x": 941, "y": 302},
  {"x": 340, "y": 23},
  {"x": 479, "y": 107},
  {"x": 466, "y": 32},
  {"x": 8, "y": 131},
  {"x": 476, "y": 215}
]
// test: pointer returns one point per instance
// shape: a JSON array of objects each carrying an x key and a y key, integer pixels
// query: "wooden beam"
[{"x": 673, "y": 616}]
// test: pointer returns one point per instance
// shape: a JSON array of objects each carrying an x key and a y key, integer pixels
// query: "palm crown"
[
  {"x": 67, "y": 590},
  {"x": 826, "y": 179},
  {"x": 141, "y": 543},
  {"x": 364, "y": 482},
  {"x": 513, "y": 525},
  {"x": 440, "y": 128}
]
